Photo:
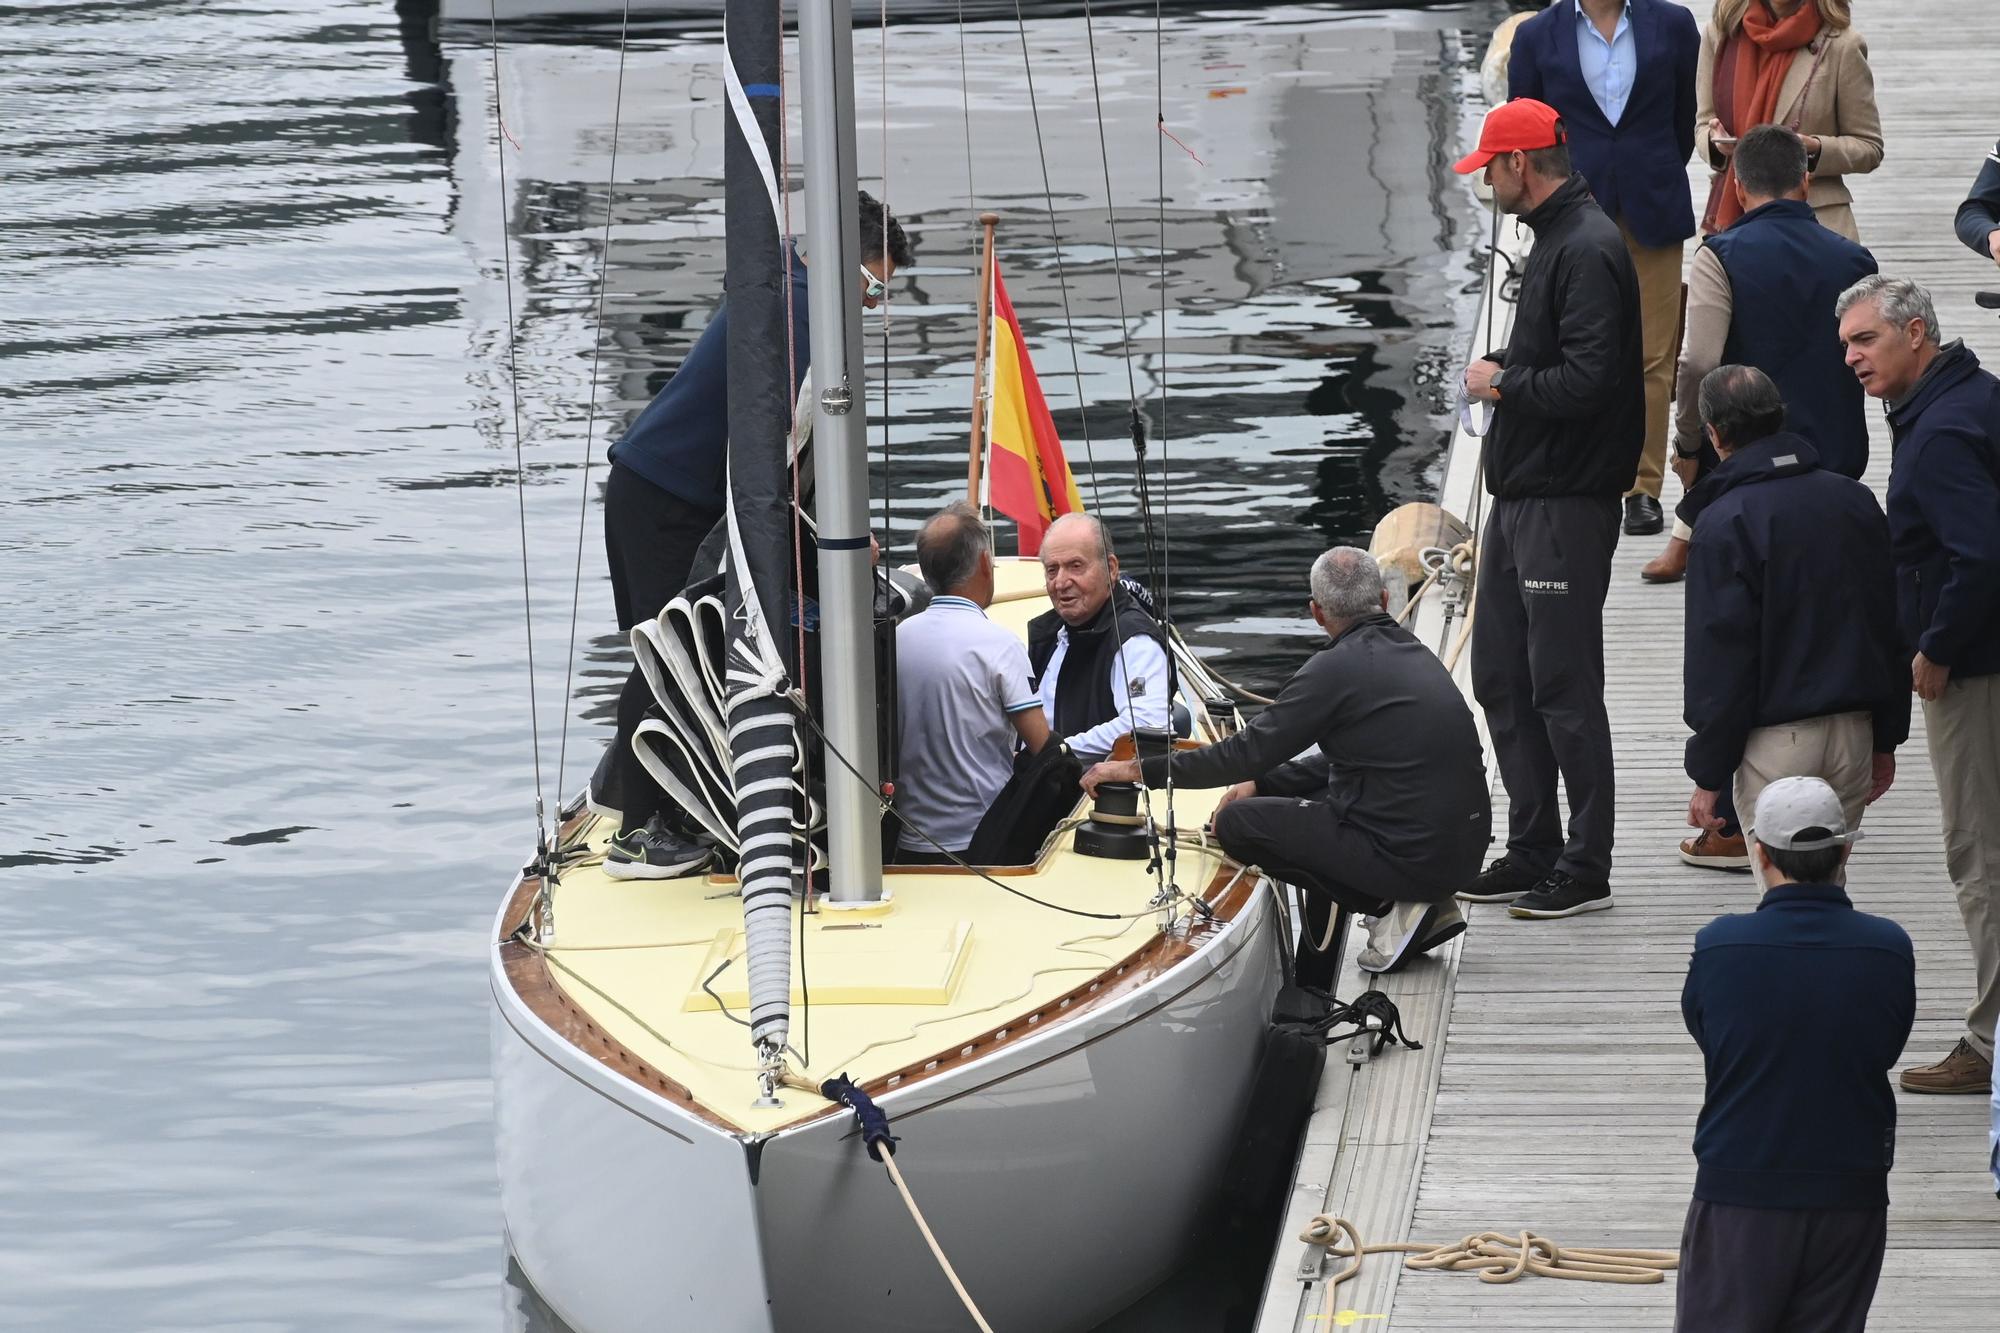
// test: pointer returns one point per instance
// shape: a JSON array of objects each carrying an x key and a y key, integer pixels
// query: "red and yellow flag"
[{"x": 1029, "y": 478}]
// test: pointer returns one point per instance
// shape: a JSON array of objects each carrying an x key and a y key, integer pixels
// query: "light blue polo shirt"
[{"x": 959, "y": 680}]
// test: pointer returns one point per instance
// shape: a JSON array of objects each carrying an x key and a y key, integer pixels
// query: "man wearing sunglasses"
[{"x": 664, "y": 495}]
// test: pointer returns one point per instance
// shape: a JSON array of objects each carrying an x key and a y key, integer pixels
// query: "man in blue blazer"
[{"x": 1621, "y": 74}]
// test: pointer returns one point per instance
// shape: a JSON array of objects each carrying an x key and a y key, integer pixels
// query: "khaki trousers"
[
  {"x": 1839, "y": 750},
  {"x": 1659, "y": 269},
  {"x": 1964, "y": 729}
]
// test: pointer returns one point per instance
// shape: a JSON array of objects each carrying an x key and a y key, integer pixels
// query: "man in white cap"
[{"x": 1801, "y": 1008}]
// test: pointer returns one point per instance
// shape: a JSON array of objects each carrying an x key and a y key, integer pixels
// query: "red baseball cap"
[{"x": 1519, "y": 126}]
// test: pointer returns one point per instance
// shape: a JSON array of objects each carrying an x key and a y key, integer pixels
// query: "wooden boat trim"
[{"x": 527, "y": 970}]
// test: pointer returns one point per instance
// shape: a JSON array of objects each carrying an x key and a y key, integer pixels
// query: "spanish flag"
[{"x": 1029, "y": 479}]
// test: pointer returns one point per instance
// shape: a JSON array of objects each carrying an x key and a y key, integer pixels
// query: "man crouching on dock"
[{"x": 1389, "y": 817}]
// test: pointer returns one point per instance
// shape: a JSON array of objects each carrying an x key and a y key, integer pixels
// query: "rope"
[
  {"x": 930, "y": 1239},
  {"x": 590, "y": 415},
  {"x": 1498, "y": 1258}
]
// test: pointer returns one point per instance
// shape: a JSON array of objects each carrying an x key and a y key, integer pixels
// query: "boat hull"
[{"x": 1063, "y": 1173}]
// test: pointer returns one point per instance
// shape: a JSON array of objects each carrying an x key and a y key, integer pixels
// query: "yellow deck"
[{"x": 949, "y": 959}]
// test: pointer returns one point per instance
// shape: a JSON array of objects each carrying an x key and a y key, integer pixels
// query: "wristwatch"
[{"x": 1494, "y": 383}]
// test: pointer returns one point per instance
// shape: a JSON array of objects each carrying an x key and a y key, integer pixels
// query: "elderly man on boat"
[
  {"x": 1100, "y": 659},
  {"x": 1388, "y": 816}
]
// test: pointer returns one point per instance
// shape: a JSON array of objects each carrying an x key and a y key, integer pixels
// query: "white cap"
[{"x": 1800, "y": 815}]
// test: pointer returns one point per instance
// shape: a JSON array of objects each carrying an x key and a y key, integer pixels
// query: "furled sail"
[{"x": 757, "y": 661}]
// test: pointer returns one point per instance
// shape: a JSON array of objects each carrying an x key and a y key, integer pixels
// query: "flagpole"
[{"x": 976, "y": 460}]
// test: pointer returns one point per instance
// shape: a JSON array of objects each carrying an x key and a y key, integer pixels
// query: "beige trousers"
[
  {"x": 1659, "y": 269},
  {"x": 1964, "y": 729},
  {"x": 1838, "y": 749}
]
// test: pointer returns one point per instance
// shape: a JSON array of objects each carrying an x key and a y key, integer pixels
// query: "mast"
[
  {"x": 840, "y": 449},
  {"x": 976, "y": 462},
  {"x": 762, "y": 729}
]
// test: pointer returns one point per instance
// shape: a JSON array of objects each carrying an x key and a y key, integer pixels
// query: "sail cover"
[{"x": 757, "y": 659}]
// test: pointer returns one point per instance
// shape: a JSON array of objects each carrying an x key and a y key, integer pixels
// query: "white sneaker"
[{"x": 1408, "y": 931}]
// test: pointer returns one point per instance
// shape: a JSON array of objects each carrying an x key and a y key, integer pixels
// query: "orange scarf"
[{"x": 1765, "y": 45}]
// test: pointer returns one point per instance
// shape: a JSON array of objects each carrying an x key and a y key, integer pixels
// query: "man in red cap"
[{"x": 1569, "y": 418}]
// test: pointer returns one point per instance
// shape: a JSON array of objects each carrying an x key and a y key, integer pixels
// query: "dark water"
[{"x": 264, "y": 710}]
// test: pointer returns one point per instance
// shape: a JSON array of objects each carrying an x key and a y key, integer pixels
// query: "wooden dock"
[{"x": 1558, "y": 1088}]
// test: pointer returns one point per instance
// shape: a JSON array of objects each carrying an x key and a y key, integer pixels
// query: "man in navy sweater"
[
  {"x": 1944, "y": 524},
  {"x": 1793, "y": 663},
  {"x": 1800, "y": 1008},
  {"x": 1621, "y": 74},
  {"x": 664, "y": 494}
]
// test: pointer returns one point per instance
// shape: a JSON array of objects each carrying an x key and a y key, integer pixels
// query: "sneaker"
[
  {"x": 1561, "y": 894},
  {"x": 1500, "y": 882},
  {"x": 653, "y": 852},
  {"x": 1964, "y": 1070},
  {"x": 1711, "y": 851},
  {"x": 1407, "y": 932}
]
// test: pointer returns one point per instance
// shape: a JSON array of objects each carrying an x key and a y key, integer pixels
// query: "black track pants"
[
  {"x": 650, "y": 540},
  {"x": 1303, "y": 842},
  {"x": 1538, "y": 672}
]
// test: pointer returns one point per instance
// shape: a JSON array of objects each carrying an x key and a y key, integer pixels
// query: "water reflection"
[{"x": 264, "y": 754}]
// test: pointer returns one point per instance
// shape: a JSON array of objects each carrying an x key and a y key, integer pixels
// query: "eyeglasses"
[{"x": 875, "y": 289}]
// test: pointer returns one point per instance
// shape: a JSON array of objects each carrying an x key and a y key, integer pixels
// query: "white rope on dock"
[{"x": 1496, "y": 1256}]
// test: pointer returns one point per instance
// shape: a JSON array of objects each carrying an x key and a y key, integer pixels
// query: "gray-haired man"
[
  {"x": 962, "y": 689},
  {"x": 1944, "y": 527},
  {"x": 1389, "y": 816}
]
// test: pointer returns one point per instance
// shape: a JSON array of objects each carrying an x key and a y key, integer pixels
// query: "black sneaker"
[
  {"x": 653, "y": 852},
  {"x": 1500, "y": 882},
  {"x": 1561, "y": 894}
]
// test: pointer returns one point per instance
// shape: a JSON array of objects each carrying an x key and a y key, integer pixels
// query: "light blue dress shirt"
[{"x": 1608, "y": 67}]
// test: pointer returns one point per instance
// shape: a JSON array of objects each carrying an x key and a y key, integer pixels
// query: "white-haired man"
[
  {"x": 1944, "y": 527},
  {"x": 1100, "y": 661},
  {"x": 1388, "y": 816}
]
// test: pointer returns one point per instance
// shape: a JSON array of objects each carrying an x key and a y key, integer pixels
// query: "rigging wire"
[
  {"x": 786, "y": 250},
  {"x": 1166, "y": 502},
  {"x": 965, "y": 107},
  {"x": 590, "y": 416},
  {"x": 514, "y": 387},
  {"x": 1062, "y": 276}
]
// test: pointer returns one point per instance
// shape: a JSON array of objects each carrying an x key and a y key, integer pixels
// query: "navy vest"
[{"x": 1785, "y": 272}]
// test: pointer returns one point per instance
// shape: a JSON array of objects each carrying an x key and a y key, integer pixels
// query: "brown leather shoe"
[
  {"x": 1964, "y": 1070},
  {"x": 1670, "y": 565},
  {"x": 1711, "y": 851}
]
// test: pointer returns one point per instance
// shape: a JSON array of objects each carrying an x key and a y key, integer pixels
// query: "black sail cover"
[{"x": 762, "y": 734}]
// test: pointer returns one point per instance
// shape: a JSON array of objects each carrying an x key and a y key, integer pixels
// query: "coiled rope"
[{"x": 1496, "y": 1256}]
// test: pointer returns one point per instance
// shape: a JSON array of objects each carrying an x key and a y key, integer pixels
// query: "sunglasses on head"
[{"x": 876, "y": 289}]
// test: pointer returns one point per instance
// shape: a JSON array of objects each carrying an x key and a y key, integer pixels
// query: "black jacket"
[
  {"x": 1791, "y": 606},
  {"x": 1572, "y": 412},
  {"x": 1800, "y": 1008},
  {"x": 1399, "y": 756},
  {"x": 1944, "y": 513},
  {"x": 1979, "y": 216}
]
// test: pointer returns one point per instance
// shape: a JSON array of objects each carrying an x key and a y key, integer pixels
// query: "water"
[{"x": 264, "y": 751}]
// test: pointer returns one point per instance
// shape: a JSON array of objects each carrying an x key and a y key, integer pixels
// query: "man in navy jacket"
[
  {"x": 1793, "y": 663},
  {"x": 1944, "y": 519},
  {"x": 1800, "y": 1008},
  {"x": 1621, "y": 75}
]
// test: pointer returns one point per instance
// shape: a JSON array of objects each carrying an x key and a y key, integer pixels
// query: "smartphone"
[{"x": 1722, "y": 143}]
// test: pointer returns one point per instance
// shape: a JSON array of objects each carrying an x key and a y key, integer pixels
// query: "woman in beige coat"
[{"x": 1827, "y": 94}]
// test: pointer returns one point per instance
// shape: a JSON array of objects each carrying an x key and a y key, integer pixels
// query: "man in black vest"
[
  {"x": 1388, "y": 816},
  {"x": 1568, "y": 423},
  {"x": 1099, "y": 659},
  {"x": 1761, "y": 294}
]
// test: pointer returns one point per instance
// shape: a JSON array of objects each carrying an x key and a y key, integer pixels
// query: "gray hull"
[{"x": 1063, "y": 1174}]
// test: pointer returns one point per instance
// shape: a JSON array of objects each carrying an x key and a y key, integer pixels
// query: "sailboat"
[{"x": 697, "y": 1080}]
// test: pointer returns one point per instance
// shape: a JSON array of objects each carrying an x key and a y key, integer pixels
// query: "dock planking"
[{"x": 1563, "y": 1094}]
